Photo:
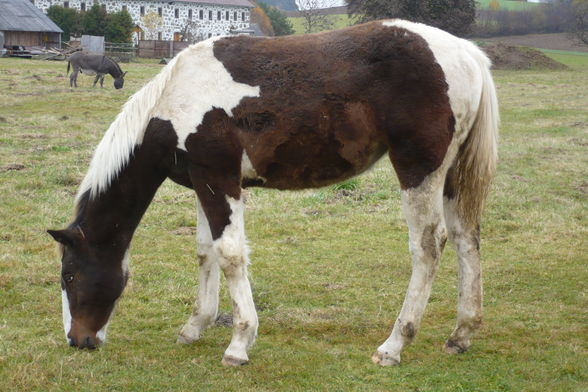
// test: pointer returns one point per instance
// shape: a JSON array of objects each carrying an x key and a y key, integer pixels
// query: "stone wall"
[{"x": 214, "y": 16}]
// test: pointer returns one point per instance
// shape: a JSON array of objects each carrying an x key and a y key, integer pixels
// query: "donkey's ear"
[
  {"x": 66, "y": 237},
  {"x": 124, "y": 73}
]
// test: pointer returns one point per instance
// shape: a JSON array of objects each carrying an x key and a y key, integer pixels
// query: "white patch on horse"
[
  {"x": 126, "y": 262},
  {"x": 66, "y": 314},
  {"x": 125, "y": 132},
  {"x": 247, "y": 169},
  {"x": 232, "y": 250},
  {"x": 201, "y": 83},
  {"x": 459, "y": 60}
]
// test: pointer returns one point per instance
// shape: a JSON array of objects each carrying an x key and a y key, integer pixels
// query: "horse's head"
[
  {"x": 120, "y": 81},
  {"x": 92, "y": 279}
]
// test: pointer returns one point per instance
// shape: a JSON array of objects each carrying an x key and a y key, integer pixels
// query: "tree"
[
  {"x": 259, "y": 16},
  {"x": 454, "y": 16},
  {"x": 152, "y": 23},
  {"x": 278, "y": 19},
  {"x": 579, "y": 9},
  {"x": 94, "y": 21},
  {"x": 313, "y": 19},
  {"x": 119, "y": 27},
  {"x": 68, "y": 19}
]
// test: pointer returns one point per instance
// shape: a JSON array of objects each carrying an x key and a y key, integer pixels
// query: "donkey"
[
  {"x": 94, "y": 64},
  {"x": 289, "y": 113}
]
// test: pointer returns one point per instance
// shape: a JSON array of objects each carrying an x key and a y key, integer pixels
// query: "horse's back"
[{"x": 328, "y": 105}]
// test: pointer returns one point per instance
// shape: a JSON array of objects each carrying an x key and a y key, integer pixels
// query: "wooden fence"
[
  {"x": 160, "y": 49},
  {"x": 122, "y": 52}
]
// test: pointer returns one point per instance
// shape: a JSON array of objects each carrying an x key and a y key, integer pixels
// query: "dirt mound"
[{"x": 505, "y": 56}]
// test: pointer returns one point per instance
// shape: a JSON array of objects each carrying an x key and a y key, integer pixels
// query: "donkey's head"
[
  {"x": 92, "y": 279},
  {"x": 120, "y": 81}
]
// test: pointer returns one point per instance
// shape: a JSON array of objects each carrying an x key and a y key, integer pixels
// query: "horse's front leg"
[
  {"x": 233, "y": 256},
  {"x": 206, "y": 305},
  {"x": 223, "y": 206}
]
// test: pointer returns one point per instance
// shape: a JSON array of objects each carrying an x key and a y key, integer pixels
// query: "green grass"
[
  {"x": 337, "y": 21},
  {"x": 507, "y": 5},
  {"x": 329, "y": 266},
  {"x": 575, "y": 60}
]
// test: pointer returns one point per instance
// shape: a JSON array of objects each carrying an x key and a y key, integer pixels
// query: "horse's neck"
[{"x": 112, "y": 216}]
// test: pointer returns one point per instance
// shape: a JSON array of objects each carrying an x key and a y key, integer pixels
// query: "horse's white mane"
[{"x": 125, "y": 132}]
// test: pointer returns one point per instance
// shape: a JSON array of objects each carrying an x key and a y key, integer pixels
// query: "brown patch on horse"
[{"x": 312, "y": 126}]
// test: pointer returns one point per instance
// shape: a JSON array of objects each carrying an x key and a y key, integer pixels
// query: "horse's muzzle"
[{"x": 83, "y": 342}]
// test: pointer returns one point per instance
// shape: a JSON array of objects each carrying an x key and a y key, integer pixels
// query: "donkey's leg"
[
  {"x": 423, "y": 208},
  {"x": 73, "y": 78},
  {"x": 101, "y": 81},
  {"x": 206, "y": 306},
  {"x": 232, "y": 251},
  {"x": 466, "y": 238},
  {"x": 96, "y": 80}
]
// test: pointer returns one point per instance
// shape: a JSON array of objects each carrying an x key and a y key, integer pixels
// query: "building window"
[
  {"x": 218, "y": 15},
  {"x": 235, "y": 16},
  {"x": 243, "y": 16},
  {"x": 66, "y": 4},
  {"x": 209, "y": 15},
  {"x": 124, "y": 8},
  {"x": 177, "y": 13},
  {"x": 190, "y": 14},
  {"x": 82, "y": 6},
  {"x": 227, "y": 15},
  {"x": 159, "y": 35},
  {"x": 159, "y": 11},
  {"x": 201, "y": 14},
  {"x": 142, "y": 10},
  {"x": 209, "y": 35}
]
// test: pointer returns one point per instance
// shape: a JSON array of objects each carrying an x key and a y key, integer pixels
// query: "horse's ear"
[{"x": 66, "y": 237}]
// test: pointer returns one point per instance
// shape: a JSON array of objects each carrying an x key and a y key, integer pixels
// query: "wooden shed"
[{"x": 23, "y": 24}]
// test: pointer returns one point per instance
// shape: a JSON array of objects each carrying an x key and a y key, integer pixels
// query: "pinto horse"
[{"x": 291, "y": 113}]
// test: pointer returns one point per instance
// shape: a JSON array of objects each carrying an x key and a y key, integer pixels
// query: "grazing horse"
[
  {"x": 291, "y": 113},
  {"x": 94, "y": 64}
]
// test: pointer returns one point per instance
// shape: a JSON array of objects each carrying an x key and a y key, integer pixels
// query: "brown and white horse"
[{"x": 291, "y": 113}]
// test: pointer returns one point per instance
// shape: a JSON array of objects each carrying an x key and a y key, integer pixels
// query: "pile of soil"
[{"x": 505, "y": 56}]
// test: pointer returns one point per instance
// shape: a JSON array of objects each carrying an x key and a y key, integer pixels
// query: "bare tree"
[
  {"x": 190, "y": 32},
  {"x": 314, "y": 19},
  {"x": 580, "y": 20}
]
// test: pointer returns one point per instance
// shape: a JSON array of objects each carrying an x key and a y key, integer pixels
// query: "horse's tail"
[{"x": 475, "y": 163}]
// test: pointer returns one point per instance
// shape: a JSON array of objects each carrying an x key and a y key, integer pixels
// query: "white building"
[{"x": 204, "y": 18}]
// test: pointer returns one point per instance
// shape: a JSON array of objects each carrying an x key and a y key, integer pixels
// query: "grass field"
[{"x": 329, "y": 266}]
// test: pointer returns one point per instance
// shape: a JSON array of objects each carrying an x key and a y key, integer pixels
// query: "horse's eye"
[{"x": 68, "y": 278}]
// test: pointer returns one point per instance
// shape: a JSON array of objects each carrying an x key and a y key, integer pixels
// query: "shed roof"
[
  {"x": 236, "y": 3},
  {"x": 22, "y": 15}
]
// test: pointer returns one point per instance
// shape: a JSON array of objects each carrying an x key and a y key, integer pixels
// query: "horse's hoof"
[
  {"x": 384, "y": 360},
  {"x": 184, "y": 340},
  {"x": 229, "y": 360},
  {"x": 455, "y": 347}
]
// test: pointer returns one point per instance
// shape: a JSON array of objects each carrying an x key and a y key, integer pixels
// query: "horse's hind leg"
[
  {"x": 206, "y": 306},
  {"x": 423, "y": 209},
  {"x": 466, "y": 238}
]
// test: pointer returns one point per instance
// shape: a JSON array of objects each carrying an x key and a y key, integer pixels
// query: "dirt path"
[{"x": 543, "y": 41}]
